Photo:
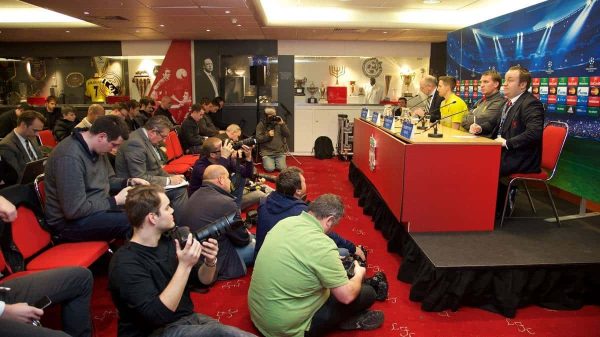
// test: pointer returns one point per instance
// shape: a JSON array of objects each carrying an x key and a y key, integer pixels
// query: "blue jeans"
[
  {"x": 196, "y": 325},
  {"x": 100, "y": 226},
  {"x": 246, "y": 253},
  {"x": 274, "y": 162}
]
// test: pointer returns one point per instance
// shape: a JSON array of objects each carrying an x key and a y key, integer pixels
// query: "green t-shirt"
[{"x": 294, "y": 270}]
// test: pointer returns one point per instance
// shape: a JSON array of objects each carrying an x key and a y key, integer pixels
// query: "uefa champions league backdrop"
[{"x": 558, "y": 41}]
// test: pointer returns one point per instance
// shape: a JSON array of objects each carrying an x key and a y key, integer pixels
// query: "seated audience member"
[
  {"x": 150, "y": 277},
  {"x": 51, "y": 112},
  {"x": 446, "y": 85},
  {"x": 288, "y": 200},
  {"x": 121, "y": 110},
  {"x": 21, "y": 146},
  {"x": 219, "y": 103},
  {"x": 163, "y": 109},
  {"x": 212, "y": 201},
  {"x": 271, "y": 134},
  {"x": 64, "y": 126},
  {"x": 79, "y": 180},
  {"x": 134, "y": 119},
  {"x": 146, "y": 108},
  {"x": 69, "y": 287},
  {"x": 191, "y": 141},
  {"x": 299, "y": 286},
  {"x": 206, "y": 125},
  {"x": 94, "y": 111},
  {"x": 139, "y": 157},
  {"x": 486, "y": 113},
  {"x": 402, "y": 102},
  {"x": 8, "y": 119}
]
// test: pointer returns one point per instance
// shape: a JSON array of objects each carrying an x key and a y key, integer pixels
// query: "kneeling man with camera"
[
  {"x": 271, "y": 134},
  {"x": 299, "y": 286},
  {"x": 150, "y": 275}
]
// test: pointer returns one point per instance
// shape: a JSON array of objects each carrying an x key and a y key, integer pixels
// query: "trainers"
[
  {"x": 380, "y": 284},
  {"x": 367, "y": 320}
]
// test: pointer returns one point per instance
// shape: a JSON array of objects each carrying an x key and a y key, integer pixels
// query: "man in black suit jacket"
[
  {"x": 521, "y": 125},
  {"x": 190, "y": 137},
  {"x": 428, "y": 86},
  {"x": 8, "y": 119},
  {"x": 20, "y": 146}
]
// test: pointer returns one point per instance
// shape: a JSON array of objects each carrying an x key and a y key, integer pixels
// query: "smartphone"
[{"x": 43, "y": 302}]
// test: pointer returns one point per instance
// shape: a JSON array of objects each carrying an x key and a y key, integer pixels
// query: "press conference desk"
[{"x": 432, "y": 184}]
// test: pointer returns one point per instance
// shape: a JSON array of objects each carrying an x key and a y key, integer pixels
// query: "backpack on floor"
[{"x": 323, "y": 148}]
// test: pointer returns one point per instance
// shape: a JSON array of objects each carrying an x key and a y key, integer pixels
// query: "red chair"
[
  {"x": 35, "y": 245},
  {"x": 7, "y": 271},
  {"x": 40, "y": 190},
  {"x": 553, "y": 140},
  {"x": 47, "y": 138},
  {"x": 178, "y": 149}
]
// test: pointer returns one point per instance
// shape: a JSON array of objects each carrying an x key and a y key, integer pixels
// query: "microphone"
[
  {"x": 422, "y": 119},
  {"x": 421, "y": 101},
  {"x": 435, "y": 124}
]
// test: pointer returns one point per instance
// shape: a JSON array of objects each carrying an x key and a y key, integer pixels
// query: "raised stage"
[{"x": 527, "y": 262}]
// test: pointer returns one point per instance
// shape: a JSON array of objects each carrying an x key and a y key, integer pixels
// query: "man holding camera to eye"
[
  {"x": 149, "y": 276},
  {"x": 271, "y": 134},
  {"x": 299, "y": 286}
]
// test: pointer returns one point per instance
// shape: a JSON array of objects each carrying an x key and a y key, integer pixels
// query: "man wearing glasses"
[
  {"x": 20, "y": 146},
  {"x": 139, "y": 157}
]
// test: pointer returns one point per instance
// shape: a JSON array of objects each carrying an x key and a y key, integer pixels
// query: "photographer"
[
  {"x": 149, "y": 276},
  {"x": 299, "y": 286},
  {"x": 210, "y": 202},
  {"x": 271, "y": 134}
]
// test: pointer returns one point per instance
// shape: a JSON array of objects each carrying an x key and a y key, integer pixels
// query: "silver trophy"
[
  {"x": 312, "y": 90},
  {"x": 299, "y": 87}
]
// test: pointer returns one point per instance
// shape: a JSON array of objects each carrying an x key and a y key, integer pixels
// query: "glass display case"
[{"x": 236, "y": 84}]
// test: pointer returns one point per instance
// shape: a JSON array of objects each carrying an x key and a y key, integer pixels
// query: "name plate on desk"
[
  {"x": 375, "y": 118},
  {"x": 388, "y": 122},
  {"x": 364, "y": 113},
  {"x": 407, "y": 129}
]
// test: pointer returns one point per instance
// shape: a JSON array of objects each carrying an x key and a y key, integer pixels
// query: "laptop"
[{"x": 32, "y": 170}]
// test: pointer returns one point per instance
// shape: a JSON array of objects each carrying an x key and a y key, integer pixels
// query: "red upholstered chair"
[
  {"x": 7, "y": 271},
  {"x": 40, "y": 190},
  {"x": 47, "y": 138},
  {"x": 181, "y": 157},
  {"x": 32, "y": 240},
  {"x": 555, "y": 135}
]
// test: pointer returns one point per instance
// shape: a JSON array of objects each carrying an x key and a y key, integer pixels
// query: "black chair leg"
[{"x": 553, "y": 205}]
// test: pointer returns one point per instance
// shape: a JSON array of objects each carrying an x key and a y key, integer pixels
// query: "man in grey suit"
[
  {"x": 20, "y": 146},
  {"x": 139, "y": 157}
]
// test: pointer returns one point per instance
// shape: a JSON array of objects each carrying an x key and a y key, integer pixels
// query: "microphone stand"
[
  {"x": 435, "y": 134},
  {"x": 422, "y": 119}
]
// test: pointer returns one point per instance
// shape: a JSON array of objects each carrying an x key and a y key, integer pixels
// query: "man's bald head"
[{"x": 213, "y": 172}]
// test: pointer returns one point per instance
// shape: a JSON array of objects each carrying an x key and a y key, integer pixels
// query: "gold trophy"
[
  {"x": 322, "y": 91},
  {"x": 299, "y": 88},
  {"x": 407, "y": 79},
  {"x": 312, "y": 90},
  {"x": 141, "y": 79},
  {"x": 337, "y": 71},
  {"x": 352, "y": 88}
]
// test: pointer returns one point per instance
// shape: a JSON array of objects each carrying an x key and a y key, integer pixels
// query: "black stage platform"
[{"x": 529, "y": 261}]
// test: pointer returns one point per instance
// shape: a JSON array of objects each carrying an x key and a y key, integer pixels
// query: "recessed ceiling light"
[
  {"x": 208, "y": 30},
  {"x": 162, "y": 25},
  {"x": 431, "y": 2},
  {"x": 384, "y": 32},
  {"x": 86, "y": 13},
  {"x": 239, "y": 25},
  {"x": 227, "y": 12},
  {"x": 137, "y": 30},
  {"x": 67, "y": 31}
]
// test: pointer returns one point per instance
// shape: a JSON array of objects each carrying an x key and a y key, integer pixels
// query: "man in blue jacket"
[{"x": 288, "y": 200}]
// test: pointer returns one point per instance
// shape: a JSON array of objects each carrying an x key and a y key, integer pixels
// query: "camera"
[
  {"x": 248, "y": 141},
  {"x": 378, "y": 281},
  {"x": 348, "y": 263},
  {"x": 213, "y": 230},
  {"x": 272, "y": 120}
]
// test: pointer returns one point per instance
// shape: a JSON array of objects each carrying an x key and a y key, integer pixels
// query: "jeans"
[
  {"x": 274, "y": 162},
  {"x": 70, "y": 287},
  {"x": 246, "y": 253},
  {"x": 332, "y": 312},
  {"x": 100, "y": 226},
  {"x": 196, "y": 325}
]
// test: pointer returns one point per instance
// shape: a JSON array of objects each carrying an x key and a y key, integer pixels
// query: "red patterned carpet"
[{"x": 226, "y": 301}]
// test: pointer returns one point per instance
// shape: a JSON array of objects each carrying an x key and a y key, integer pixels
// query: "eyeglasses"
[
  {"x": 216, "y": 151},
  {"x": 163, "y": 136}
]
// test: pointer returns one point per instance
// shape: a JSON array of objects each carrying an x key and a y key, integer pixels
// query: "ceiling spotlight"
[
  {"x": 234, "y": 21},
  {"x": 86, "y": 13},
  {"x": 384, "y": 32},
  {"x": 227, "y": 12},
  {"x": 67, "y": 31},
  {"x": 208, "y": 30},
  {"x": 137, "y": 30},
  {"x": 431, "y": 2},
  {"x": 162, "y": 25},
  {"x": 239, "y": 25}
]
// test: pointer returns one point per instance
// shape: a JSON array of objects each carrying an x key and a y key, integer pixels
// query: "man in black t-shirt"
[{"x": 149, "y": 276}]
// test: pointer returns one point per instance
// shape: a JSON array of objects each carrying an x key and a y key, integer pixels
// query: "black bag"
[{"x": 323, "y": 148}]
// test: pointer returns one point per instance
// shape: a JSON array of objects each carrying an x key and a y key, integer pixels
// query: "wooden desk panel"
[{"x": 431, "y": 184}]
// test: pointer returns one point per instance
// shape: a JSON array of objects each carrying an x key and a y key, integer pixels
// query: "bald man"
[
  {"x": 216, "y": 201},
  {"x": 94, "y": 111}
]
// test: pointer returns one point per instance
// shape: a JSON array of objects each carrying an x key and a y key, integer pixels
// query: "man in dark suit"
[
  {"x": 163, "y": 109},
  {"x": 139, "y": 157},
  {"x": 20, "y": 146},
  {"x": 521, "y": 125},
  {"x": 208, "y": 84},
  {"x": 8, "y": 119},
  {"x": 428, "y": 86},
  {"x": 191, "y": 141}
]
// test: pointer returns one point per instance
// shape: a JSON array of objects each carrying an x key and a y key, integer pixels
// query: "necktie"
[
  {"x": 30, "y": 150},
  {"x": 428, "y": 105},
  {"x": 504, "y": 114}
]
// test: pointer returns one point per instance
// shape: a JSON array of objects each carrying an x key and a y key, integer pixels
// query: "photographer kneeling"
[
  {"x": 271, "y": 134},
  {"x": 149, "y": 276},
  {"x": 299, "y": 286}
]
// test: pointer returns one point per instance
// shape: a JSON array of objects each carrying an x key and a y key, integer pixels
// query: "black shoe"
[
  {"x": 380, "y": 284},
  {"x": 367, "y": 320}
]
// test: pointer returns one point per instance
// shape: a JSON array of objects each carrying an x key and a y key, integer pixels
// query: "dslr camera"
[
  {"x": 377, "y": 281},
  {"x": 213, "y": 230},
  {"x": 248, "y": 142}
]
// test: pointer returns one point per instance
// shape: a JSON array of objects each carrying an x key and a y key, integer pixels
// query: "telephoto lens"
[
  {"x": 213, "y": 230},
  {"x": 248, "y": 141}
]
